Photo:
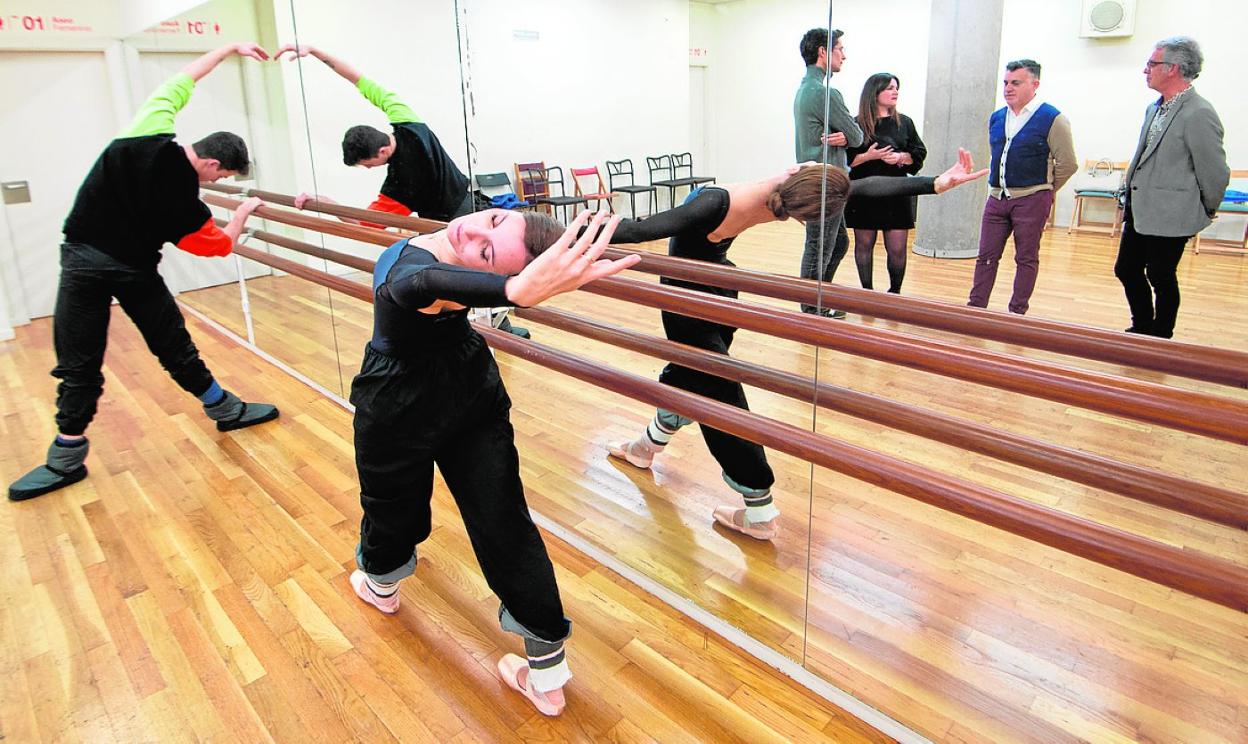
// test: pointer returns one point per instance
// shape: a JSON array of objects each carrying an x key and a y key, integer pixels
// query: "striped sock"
[
  {"x": 659, "y": 434},
  {"x": 380, "y": 589}
]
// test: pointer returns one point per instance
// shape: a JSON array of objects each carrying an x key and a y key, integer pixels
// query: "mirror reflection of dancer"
[
  {"x": 703, "y": 229},
  {"x": 420, "y": 176},
  {"x": 142, "y": 192},
  {"x": 429, "y": 392}
]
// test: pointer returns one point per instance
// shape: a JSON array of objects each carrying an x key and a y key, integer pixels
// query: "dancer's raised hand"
[{"x": 570, "y": 262}]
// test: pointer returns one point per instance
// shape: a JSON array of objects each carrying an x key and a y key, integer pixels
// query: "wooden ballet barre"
[
  {"x": 1223, "y": 366},
  {"x": 316, "y": 224},
  {"x": 1143, "y": 484},
  {"x": 1198, "y": 413},
  {"x": 1194, "y": 573},
  {"x": 346, "y": 259},
  {"x": 1189, "y": 497},
  {"x": 410, "y": 224}
]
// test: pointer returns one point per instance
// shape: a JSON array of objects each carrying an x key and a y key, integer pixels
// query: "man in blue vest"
[{"x": 1033, "y": 156}]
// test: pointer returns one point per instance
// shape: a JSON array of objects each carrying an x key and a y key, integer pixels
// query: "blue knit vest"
[{"x": 1028, "y": 163}]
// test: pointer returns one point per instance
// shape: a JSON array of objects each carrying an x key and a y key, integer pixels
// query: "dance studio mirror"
[
  {"x": 923, "y": 613},
  {"x": 672, "y": 90}
]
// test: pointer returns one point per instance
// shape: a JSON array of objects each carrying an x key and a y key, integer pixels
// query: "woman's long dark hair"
[{"x": 868, "y": 105}]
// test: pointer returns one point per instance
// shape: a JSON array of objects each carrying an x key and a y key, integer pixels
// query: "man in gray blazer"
[{"x": 1173, "y": 187}]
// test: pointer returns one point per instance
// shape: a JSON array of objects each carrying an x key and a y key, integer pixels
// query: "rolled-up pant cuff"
[
  {"x": 548, "y": 663},
  {"x": 389, "y": 577}
]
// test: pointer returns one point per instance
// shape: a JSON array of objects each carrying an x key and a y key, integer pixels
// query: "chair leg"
[{"x": 1074, "y": 216}]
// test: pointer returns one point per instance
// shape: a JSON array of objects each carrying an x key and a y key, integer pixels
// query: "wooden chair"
[
  {"x": 599, "y": 194},
  {"x": 1112, "y": 174},
  {"x": 1239, "y": 182},
  {"x": 621, "y": 168}
]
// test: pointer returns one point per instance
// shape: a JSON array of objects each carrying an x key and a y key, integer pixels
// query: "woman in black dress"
[{"x": 890, "y": 147}]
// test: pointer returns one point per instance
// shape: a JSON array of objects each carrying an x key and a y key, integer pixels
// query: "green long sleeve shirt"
[{"x": 808, "y": 121}]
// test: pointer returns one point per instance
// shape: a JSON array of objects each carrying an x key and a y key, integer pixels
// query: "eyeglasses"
[{"x": 1153, "y": 63}]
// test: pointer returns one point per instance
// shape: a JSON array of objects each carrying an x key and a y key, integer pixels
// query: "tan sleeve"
[{"x": 1062, "y": 150}]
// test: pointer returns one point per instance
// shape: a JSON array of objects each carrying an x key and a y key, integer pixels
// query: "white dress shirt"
[{"x": 1013, "y": 123}]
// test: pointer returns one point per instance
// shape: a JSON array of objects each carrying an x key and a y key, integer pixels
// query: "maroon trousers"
[{"x": 1025, "y": 217}]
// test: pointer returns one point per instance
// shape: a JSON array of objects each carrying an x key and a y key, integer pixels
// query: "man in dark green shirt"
[{"x": 809, "y": 125}]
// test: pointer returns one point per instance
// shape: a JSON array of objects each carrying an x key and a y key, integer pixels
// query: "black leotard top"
[
  {"x": 407, "y": 279},
  {"x": 690, "y": 224}
]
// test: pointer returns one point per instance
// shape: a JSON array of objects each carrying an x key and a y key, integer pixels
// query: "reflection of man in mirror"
[
  {"x": 142, "y": 192},
  {"x": 1174, "y": 185},
  {"x": 809, "y": 125},
  {"x": 420, "y": 176},
  {"x": 1033, "y": 155}
]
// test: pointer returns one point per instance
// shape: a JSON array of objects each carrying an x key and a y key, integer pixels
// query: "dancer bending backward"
[
  {"x": 429, "y": 393},
  {"x": 703, "y": 229},
  {"x": 142, "y": 192}
]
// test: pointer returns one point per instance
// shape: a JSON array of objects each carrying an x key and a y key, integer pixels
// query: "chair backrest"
[
  {"x": 493, "y": 181},
  {"x": 619, "y": 169},
  {"x": 682, "y": 161},
  {"x": 551, "y": 180},
  {"x": 531, "y": 178},
  {"x": 661, "y": 165},
  {"x": 600, "y": 186}
]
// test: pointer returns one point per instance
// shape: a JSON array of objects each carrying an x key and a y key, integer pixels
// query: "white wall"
[
  {"x": 1099, "y": 83},
  {"x": 602, "y": 81},
  {"x": 755, "y": 68}
]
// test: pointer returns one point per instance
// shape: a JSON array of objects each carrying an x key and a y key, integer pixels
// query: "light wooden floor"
[
  {"x": 194, "y": 588},
  {"x": 962, "y": 631}
]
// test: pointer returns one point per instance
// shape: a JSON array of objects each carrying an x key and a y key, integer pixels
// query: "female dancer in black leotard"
[
  {"x": 429, "y": 393},
  {"x": 703, "y": 228}
]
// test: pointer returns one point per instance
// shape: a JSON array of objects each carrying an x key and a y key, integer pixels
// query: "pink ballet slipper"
[
  {"x": 639, "y": 452},
  {"x": 734, "y": 519},
  {"x": 512, "y": 669},
  {"x": 388, "y": 605}
]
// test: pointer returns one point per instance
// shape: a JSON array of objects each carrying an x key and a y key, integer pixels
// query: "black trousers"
[
  {"x": 822, "y": 266},
  {"x": 90, "y": 279},
  {"x": 743, "y": 461},
  {"x": 1147, "y": 265},
  {"x": 449, "y": 408}
]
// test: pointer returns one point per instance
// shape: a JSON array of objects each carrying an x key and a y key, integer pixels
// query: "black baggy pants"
[
  {"x": 1147, "y": 265},
  {"x": 90, "y": 279},
  {"x": 449, "y": 408},
  {"x": 743, "y": 461}
]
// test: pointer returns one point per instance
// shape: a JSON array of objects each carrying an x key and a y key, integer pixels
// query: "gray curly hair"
[{"x": 1183, "y": 52}]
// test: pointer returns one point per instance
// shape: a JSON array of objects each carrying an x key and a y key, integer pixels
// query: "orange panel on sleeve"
[
  {"x": 208, "y": 240},
  {"x": 384, "y": 203}
]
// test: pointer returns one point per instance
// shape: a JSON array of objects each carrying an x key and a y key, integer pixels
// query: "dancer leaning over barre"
[
  {"x": 142, "y": 192},
  {"x": 703, "y": 229},
  {"x": 429, "y": 393}
]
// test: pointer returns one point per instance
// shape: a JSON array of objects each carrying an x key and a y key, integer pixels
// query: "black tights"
[{"x": 864, "y": 255}]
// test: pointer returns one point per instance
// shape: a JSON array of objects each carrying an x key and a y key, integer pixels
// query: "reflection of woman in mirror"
[
  {"x": 429, "y": 392},
  {"x": 891, "y": 147},
  {"x": 703, "y": 228},
  {"x": 420, "y": 176}
]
